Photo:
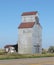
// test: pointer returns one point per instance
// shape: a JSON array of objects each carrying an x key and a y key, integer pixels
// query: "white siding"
[
  {"x": 29, "y": 18},
  {"x": 25, "y": 41},
  {"x": 37, "y": 38},
  {"x": 30, "y": 38}
]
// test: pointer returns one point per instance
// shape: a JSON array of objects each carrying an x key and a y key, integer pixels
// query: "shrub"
[{"x": 51, "y": 49}]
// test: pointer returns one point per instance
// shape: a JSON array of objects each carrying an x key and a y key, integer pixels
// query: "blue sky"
[{"x": 10, "y": 18}]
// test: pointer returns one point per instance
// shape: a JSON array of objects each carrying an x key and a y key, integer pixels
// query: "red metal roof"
[
  {"x": 26, "y": 25},
  {"x": 29, "y": 13}
]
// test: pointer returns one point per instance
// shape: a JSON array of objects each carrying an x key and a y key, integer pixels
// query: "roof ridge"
[{"x": 29, "y": 13}]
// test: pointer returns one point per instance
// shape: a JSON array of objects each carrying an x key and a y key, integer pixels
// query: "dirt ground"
[{"x": 29, "y": 61}]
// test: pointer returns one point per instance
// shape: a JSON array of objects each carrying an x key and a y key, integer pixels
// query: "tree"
[
  {"x": 44, "y": 51},
  {"x": 51, "y": 49}
]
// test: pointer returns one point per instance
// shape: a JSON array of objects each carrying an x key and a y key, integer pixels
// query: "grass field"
[
  {"x": 18, "y": 56},
  {"x": 4, "y": 55}
]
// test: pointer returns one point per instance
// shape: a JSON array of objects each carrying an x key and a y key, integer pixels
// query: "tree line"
[{"x": 49, "y": 50}]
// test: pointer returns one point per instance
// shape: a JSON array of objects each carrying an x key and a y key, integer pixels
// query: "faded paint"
[
  {"x": 30, "y": 39},
  {"x": 29, "y": 18}
]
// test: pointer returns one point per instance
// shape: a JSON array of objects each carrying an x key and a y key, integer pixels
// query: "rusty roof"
[
  {"x": 26, "y": 25},
  {"x": 29, "y": 13}
]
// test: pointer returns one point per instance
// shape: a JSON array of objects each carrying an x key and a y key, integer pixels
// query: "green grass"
[{"x": 19, "y": 56}]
